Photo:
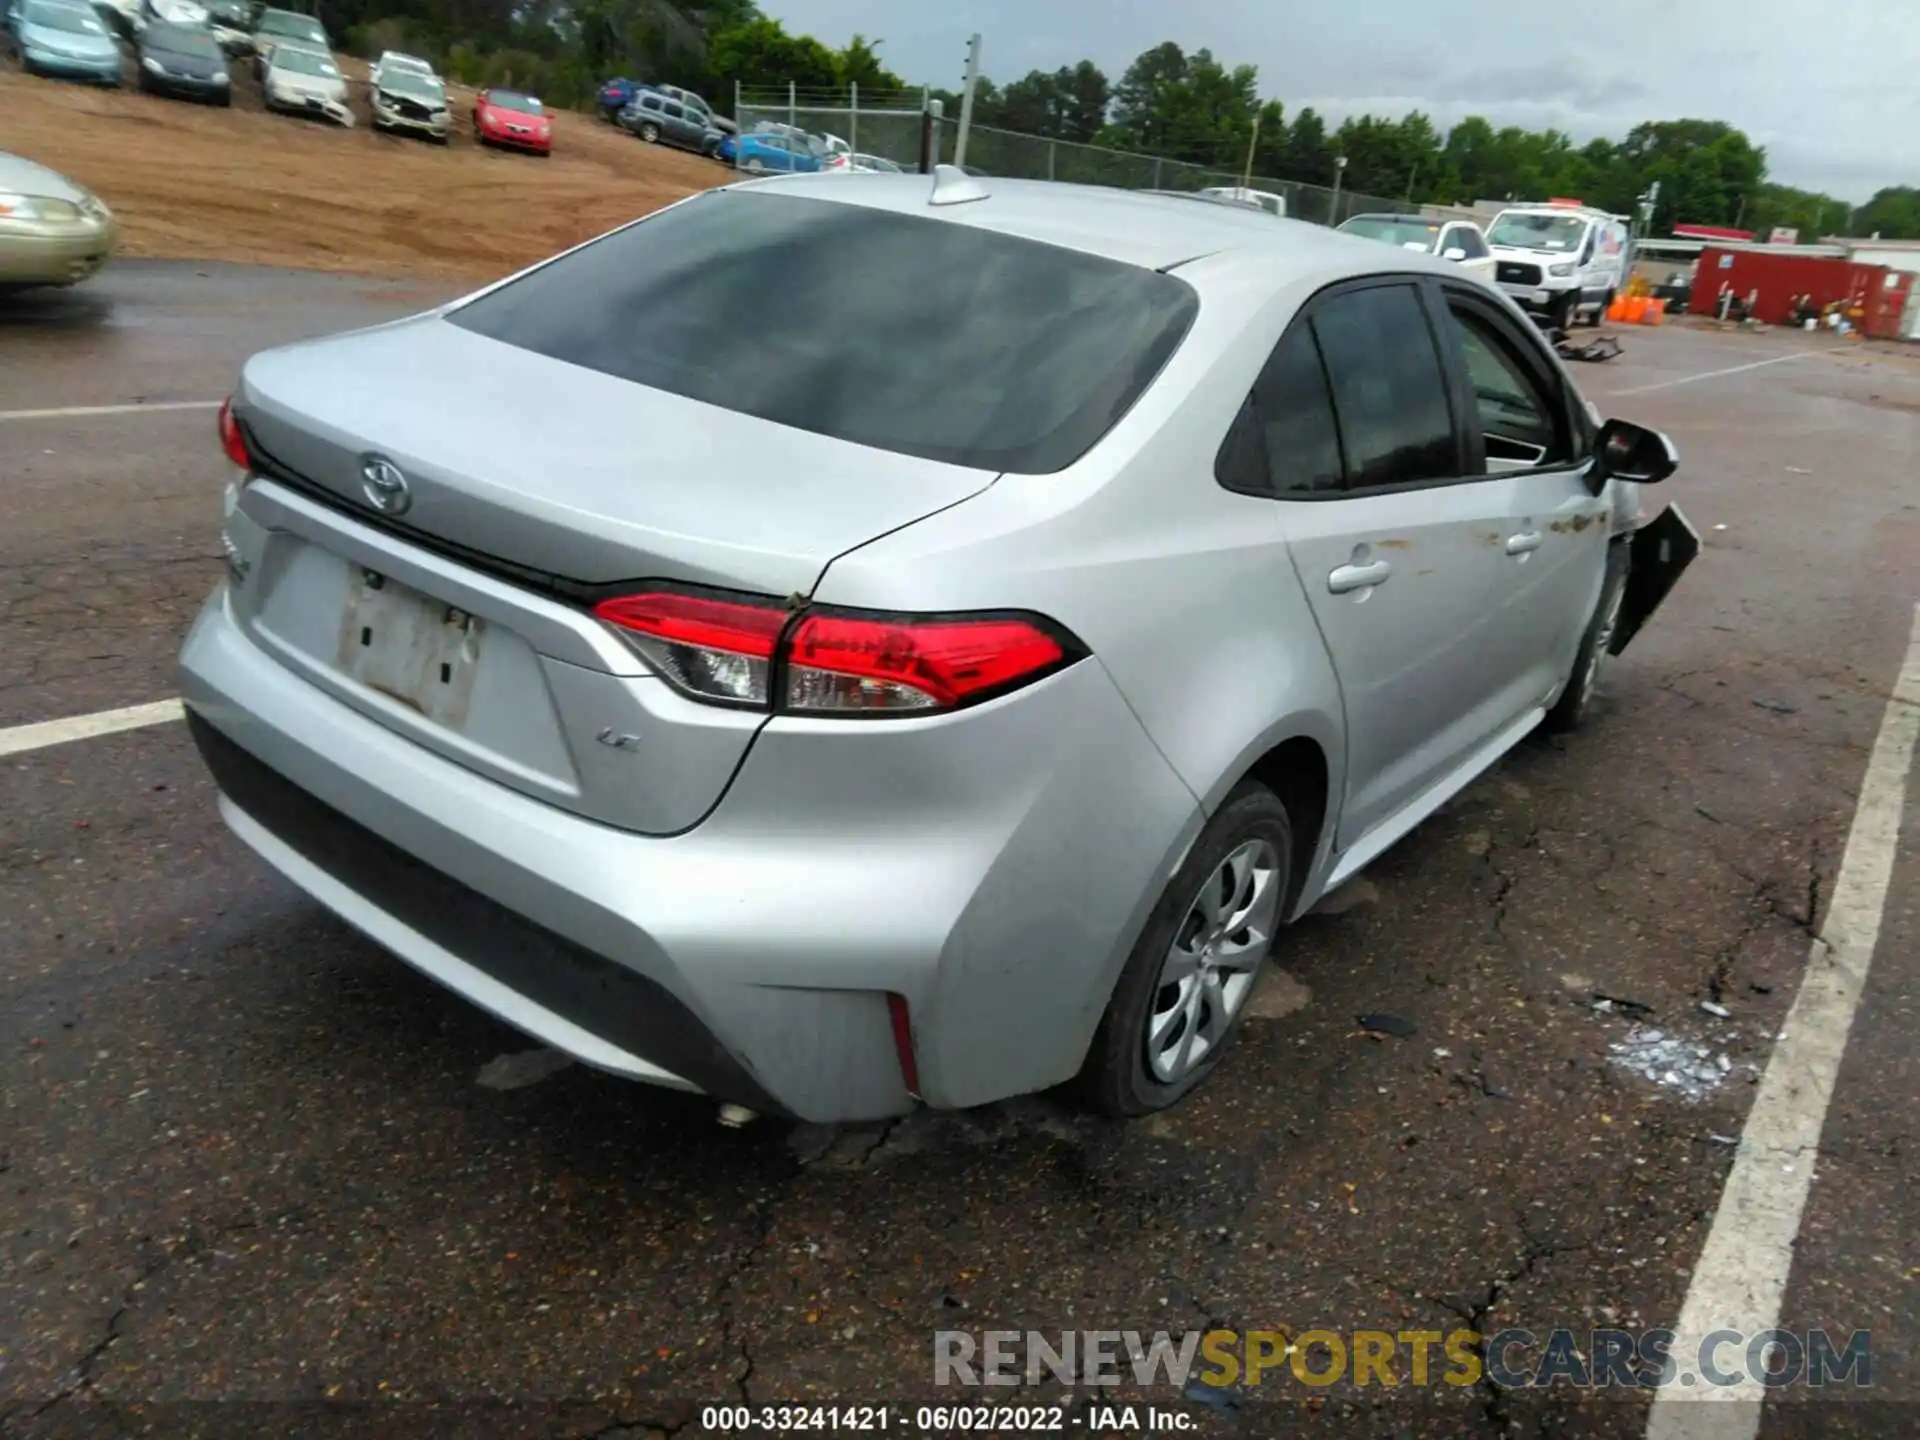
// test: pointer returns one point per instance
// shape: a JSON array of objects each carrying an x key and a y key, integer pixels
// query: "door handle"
[
  {"x": 1523, "y": 542},
  {"x": 1358, "y": 577}
]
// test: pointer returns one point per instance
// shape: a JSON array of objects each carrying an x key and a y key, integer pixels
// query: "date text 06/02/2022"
[{"x": 939, "y": 1419}]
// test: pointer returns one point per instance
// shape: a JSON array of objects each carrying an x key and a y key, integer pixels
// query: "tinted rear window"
[{"x": 907, "y": 334}]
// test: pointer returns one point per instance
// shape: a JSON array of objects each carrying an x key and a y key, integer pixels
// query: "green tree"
[
  {"x": 1306, "y": 155},
  {"x": 859, "y": 64},
  {"x": 760, "y": 54},
  {"x": 1893, "y": 214},
  {"x": 1065, "y": 104}
]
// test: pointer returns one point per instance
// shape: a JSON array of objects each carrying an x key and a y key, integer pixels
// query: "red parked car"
[{"x": 506, "y": 117}]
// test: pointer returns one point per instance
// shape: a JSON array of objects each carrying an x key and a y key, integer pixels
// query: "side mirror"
[
  {"x": 1453, "y": 252},
  {"x": 1626, "y": 451}
]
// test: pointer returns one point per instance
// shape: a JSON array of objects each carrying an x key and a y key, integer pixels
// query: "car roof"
[{"x": 1137, "y": 227}]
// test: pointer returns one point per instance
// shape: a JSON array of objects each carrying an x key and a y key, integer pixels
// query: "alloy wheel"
[{"x": 1217, "y": 951}]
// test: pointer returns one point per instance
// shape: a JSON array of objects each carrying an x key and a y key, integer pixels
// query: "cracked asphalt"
[{"x": 256, "y": 1177}]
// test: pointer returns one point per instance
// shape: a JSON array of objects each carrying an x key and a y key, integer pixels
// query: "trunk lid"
[
  {"x": 557, "y": 468},
  {"x": 461, "y": 622}
]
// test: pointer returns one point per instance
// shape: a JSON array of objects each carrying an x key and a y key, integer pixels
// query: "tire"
[
  {"x": 650, "y": 133},
  {"x": 755, "y": 165},
  {"x": 1137, "y": 1063},
  {"x": 1606, "y": 304},
  {"x": 1562, "y": 314},
  {"x": 1570, "y": 711}
]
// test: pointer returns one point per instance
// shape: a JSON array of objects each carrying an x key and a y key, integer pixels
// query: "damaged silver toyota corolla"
[{"x": 932, "y": 679}]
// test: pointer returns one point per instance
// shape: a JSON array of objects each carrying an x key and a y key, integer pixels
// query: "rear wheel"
[{"x": 1183, "y": 991}]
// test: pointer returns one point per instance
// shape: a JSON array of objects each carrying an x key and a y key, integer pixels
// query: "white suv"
[{"x": 1561, "y": 261}]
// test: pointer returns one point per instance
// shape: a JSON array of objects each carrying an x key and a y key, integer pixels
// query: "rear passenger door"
[{"x": 1399, "y": 545}]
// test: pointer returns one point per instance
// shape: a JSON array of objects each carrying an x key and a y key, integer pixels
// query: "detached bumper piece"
[
  {"x": 599, "y": 995},
  {"x": 1601, "y": 347},
  {"x": 1660, "y": 552}
]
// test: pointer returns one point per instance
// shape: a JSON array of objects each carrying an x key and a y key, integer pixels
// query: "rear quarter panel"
[{"x": 1183, "y": 590}]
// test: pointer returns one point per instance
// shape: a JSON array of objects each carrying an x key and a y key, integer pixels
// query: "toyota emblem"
[{"x": 385, "y": 487}]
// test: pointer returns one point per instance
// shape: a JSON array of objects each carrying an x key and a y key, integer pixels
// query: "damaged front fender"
[{"x": 1659, "y": 553}]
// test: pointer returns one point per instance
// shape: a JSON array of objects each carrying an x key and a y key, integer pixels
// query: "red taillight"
[
  {"x": 843, "y": 663},
  {"x": 839, "y": 662},
  {"x": 231, "y": 440},
  {"x": 713, "y": 649}
]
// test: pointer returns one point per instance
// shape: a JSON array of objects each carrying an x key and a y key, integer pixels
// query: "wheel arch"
[
  {"x": 1296, "y": 771},
  {"x": 1303, "y": 761}
]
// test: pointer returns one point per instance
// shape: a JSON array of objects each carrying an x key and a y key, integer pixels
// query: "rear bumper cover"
[{"x": 992, "y": 867}]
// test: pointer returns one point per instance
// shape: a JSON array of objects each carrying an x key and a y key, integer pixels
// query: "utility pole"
[
  {"x": 966, "y": 101},
  {"x": 1246, "y": 179},
  {"x": 1339, "y": 170},
  {"x": 1741, "y": 213}
]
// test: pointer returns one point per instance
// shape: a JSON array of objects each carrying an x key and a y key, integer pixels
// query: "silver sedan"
[{"x": 845, "y": 647}]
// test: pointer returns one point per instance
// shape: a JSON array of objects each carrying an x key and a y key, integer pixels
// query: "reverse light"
[
  {"x": 751, "y": 652},
  {"x": 231, "y": 440}
]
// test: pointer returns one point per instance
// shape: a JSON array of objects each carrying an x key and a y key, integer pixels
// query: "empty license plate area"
[{"x": 410, "y": 647}]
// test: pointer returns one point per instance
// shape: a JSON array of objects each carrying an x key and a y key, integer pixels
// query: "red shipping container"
[{"x": 1780, "y": 279}]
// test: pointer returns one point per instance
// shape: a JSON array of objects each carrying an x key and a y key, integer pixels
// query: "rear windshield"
[{"x": 915, "y": 335}]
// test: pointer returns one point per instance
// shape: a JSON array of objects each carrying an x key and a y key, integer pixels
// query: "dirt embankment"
[{"x": 195, "y": 182}]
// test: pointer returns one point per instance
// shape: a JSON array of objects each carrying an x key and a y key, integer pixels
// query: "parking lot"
[{"x": 259, "y": 1177}]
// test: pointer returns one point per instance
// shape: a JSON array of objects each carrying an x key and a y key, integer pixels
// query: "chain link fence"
[{"x": 895, "y": 127}]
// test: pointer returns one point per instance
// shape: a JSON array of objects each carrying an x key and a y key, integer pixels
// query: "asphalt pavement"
[{"x": 258, "y": 1177}]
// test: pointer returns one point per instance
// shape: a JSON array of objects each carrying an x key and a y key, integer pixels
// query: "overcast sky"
[{"x": 1831, "y": 88}]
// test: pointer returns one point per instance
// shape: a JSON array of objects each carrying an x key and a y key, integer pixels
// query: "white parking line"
[
  {"x": 1743, "y": 1269},
  {"x": 21, "y": 738},
  {"x": 84, "y": 412},
  {"x": 1715, "y": 374}
]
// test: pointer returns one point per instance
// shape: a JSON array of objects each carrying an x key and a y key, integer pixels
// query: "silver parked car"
[{"x": 937, "y": 685}]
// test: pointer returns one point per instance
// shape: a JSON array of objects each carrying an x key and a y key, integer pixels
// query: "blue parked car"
[
  {"x": 61, "y": 37},
  {"x": 615, "y": 96},
  {"x": 772, "y": 154}
]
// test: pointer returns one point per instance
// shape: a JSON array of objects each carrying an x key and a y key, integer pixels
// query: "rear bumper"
[{"x": 992, "y": 868}]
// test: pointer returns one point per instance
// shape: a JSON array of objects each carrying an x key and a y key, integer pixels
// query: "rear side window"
[
  {"x": 1295, "y": 412},
  {"x": 673, "y": 111},
  {"x": 915, "y": 335},
  {"x": 1389, "y": 392}
]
